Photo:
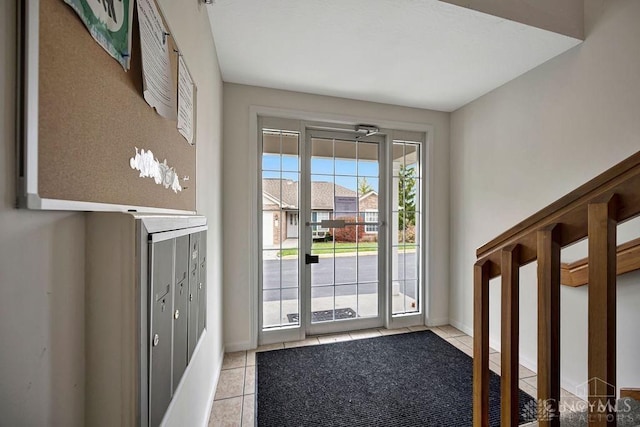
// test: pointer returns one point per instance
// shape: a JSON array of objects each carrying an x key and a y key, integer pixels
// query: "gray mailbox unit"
[{"x": 146, "y": 311}]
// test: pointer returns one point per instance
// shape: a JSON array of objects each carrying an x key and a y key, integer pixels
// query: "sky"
[{"x": 322, "y": 169}]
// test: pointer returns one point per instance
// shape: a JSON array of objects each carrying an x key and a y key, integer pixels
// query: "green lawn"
[{"x": 320, "y": 248}]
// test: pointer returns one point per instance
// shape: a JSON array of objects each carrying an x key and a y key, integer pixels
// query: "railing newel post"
[
  {"x": 481, "y": 273},
  {"x": 548, "y": 249},
  {"x": 510, "y": 332},
  {"x": 602, "y": 312}
]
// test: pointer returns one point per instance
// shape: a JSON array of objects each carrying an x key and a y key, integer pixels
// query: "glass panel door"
[
  {"x": 280, "y": 296},
  {"x": 342, "y": 225},
  {"x": 328, "y": 261},
  {"x": 406, "y": 228}
]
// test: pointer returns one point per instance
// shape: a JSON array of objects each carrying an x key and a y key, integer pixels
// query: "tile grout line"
[
  {"x": 244, "y": 381},
  {"x": 226, "y": 398}
]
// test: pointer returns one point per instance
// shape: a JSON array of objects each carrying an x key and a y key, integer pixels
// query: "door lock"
[{"x": 311, "y": 259}]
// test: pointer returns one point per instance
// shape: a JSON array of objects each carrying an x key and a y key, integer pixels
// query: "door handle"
[{"x": 311, "y": 259}]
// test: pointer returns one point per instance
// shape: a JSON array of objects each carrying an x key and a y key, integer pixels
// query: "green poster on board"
[{"x": 109, "y": 22}]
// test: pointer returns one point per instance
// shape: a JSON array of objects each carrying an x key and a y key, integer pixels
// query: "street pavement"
[{"x": 347, "y": 270}]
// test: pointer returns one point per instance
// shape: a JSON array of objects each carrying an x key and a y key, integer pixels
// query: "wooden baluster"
[
  {"x": 510, "y": 267},
  {"x": 481, "y": 343},
  {"x": 602, "y": 313},
  {"x": 549, "y": 326}
]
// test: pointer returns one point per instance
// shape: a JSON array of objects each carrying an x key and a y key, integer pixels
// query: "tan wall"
[
  {"x": 41, "y": 286},
  {"x": 238, "y": 191},
  {"x": 560, "y": 16}
]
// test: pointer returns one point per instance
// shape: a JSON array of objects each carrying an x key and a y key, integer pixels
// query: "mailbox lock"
[
  {"x": 200, "y": 286},
  {"x": 176, "y": 314},
  {"x": 156, "y": 339}
]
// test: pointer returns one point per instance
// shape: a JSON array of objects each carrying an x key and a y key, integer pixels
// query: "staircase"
[{"x": 593, "y": 210}]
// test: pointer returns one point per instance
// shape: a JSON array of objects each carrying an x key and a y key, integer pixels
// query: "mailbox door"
[
  {"x": 202, "y": 284},
  {"x": 162, "y": 280},
  {"x": 194, "y": 246},
  {"x": 180, "y": 309}
]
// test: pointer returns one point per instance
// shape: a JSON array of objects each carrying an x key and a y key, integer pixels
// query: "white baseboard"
[
  {"x": 565, "y": 383},
  {"x": 524, "y": 361},
  {"x": 461, "y": 326},
  {"x": 238, "y": 346},
  {"x": 572, "y": 387},
  {"x": 437, "y": 322},
  {"x": 212, "y": 393}
]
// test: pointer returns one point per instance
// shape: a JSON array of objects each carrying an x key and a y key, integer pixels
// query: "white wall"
[
  {"x": 41, "y": 287},
  {"x": 520, "y": 147},
  {"x": 189, "y": 23},
  {"x": 42, "y": 259},
  {"x": 237, "y": 192}
]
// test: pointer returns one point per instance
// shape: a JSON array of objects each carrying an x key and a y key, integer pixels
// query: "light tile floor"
[{"x": 234, "y": 400}]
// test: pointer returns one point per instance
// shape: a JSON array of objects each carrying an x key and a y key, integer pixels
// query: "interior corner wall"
[
  {"x": 529, "y": 142},
  {"x": 41, "y": 286},
  {"x": 189, "y": 23},
  {"x": 237, "y": 194}
]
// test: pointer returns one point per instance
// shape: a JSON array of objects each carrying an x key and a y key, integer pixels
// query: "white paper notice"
[
  {"x": 156, "y": 65},
  {"x": 185, "y": 101}
]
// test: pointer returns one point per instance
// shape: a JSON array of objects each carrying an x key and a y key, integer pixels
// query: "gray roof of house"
[{"x": 322, "y": 193}]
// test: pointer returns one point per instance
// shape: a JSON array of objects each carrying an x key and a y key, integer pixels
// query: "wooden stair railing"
[
  {"x": 577, "y": 273},
  {"x": 633, "y": 393},
  {"x": 593, "y": 210}
]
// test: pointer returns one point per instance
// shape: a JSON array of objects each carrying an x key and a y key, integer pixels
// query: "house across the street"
[{"x": 280, "y": 209}]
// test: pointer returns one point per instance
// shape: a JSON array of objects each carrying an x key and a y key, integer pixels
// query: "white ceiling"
[{"x": 417, "y": 53}]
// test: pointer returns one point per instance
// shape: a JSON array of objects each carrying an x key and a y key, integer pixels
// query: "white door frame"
[
  {"x": 311, "y": 130},
  {"x": 341, "y": 122}
]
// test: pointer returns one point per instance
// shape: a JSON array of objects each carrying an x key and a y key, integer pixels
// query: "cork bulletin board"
[{"x": 84, "y": 117}]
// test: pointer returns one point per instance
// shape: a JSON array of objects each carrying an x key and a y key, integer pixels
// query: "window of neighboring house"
[
  {"x": 318, "y": 217},
  {"x": 371, "y": 216}
]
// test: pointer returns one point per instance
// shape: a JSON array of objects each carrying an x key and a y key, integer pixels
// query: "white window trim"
[{"x": 370, "y": 211}]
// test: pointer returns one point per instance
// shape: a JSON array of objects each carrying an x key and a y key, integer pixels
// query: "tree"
[
  {"x": 363, "y": 186},
  {"x": 407, "y": 197}
]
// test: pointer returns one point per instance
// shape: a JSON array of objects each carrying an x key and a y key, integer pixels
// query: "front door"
[
  {"x": 343, "y": 254},
  {"x": 292, "y": 225},
  {"x": 340, "y": 237}
]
